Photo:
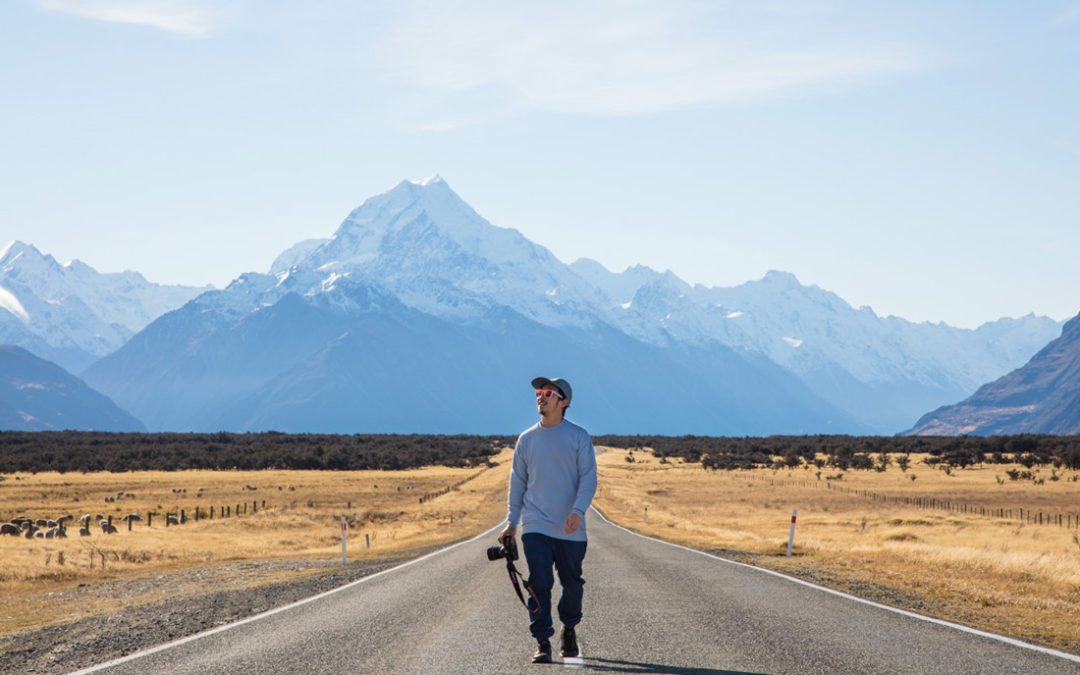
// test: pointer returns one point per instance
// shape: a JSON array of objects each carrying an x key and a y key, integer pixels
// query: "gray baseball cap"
[{"x": 559, "y": 383}]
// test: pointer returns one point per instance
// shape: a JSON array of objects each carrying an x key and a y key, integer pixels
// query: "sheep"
[
  {"x": 106, "y": 528},
  {"x": 171, "y": 519},
  {"x": 84, "y": 531},
  {"x": 132, "y": 517},
  {"x": 10, "y": 528},
  {"x": 31, "y": 531},
  {"x": 85, "y": 519},
  {"x": 51, "y": 523},
  {"x": 41, "y": 522},
  {"x": 65, "y": 519}
]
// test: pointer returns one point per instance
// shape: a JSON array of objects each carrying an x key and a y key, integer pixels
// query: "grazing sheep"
[
  {"x": 84, "y": 531},
  {"x": 130, "y": 495},
  {"x": 38, "y": 534},
  {"x": 10, "y": 528},
  {"x": 172, "y": 519},
  {"x": 51, "y": 533},
  {"x": 41, "y": 522},
  {"x": 132, "y": 517},
  {"x": 110, "y": 500},
  {"x": 106, "y": 528},
  {"x": 31, "y": 531},
  {"x": 51, "y": 523}
]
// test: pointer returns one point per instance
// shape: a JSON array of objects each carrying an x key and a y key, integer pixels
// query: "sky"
[{"x": 921, "y": 158}]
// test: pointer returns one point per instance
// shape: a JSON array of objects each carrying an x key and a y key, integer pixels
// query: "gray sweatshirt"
[{"x": 552, "y": 476}]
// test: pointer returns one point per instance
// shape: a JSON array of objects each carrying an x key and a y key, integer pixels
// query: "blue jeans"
[{"x": 541, "y": 552}]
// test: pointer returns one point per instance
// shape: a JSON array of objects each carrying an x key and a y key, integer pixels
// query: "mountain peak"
[
  {"x": 780, "y": 277},
  {"x": 15, "y": 248},
  {"x": 430, "y": 180}
]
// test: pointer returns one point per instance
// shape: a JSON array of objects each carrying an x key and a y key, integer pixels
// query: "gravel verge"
[{"x": 196, "y": 599}]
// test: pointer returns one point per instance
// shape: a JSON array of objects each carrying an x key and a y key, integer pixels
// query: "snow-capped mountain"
[
  {"x": 416, "y": 295},
  {"x": 72, "y": 314},
  {"x": 885, "y": 371}
]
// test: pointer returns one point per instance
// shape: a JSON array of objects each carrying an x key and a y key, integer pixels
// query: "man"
[{"x": 552, "y": 482}]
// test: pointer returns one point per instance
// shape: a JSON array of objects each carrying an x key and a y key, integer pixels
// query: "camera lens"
[{"x": 496, "y": 552}]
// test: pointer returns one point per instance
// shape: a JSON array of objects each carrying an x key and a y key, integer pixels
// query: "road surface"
[{"x": 650, "y": 607}]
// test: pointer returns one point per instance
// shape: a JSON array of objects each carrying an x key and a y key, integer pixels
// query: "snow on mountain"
[
  {"x": 419, "y": 247},
  {"x": 423, "y": 243},
  {"x": 852, "y": 357},
  {"x": 619, "y": 287},
  {"x": 295, "y": 254},
  {"x": 72, "y": 314}
]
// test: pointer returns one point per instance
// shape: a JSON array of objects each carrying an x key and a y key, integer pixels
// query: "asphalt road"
[{"x": 649, "y": 608}]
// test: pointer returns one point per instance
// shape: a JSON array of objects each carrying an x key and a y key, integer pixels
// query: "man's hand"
[
  {"x": 573, "y": 522},
  {"x": 508, "y": 534}
]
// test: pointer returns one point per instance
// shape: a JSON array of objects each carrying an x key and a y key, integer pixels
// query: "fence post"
[
  {"x": 791, "y": 535},
  {"x": 343, "y": 558}
]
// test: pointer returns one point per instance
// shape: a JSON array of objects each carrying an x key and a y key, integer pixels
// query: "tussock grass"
[
  {"x": 301, "y": 519},
  {"x": 996, "y": 573}
]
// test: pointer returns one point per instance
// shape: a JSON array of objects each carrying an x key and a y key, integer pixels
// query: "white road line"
[
  {"x": 276, "y": 610},
  {"x": 922, "y": 617}
]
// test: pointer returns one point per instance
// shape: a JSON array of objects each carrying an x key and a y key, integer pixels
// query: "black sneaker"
[
  {"x": 543, "y": 652},
  {"x": 569, "y": 642}
]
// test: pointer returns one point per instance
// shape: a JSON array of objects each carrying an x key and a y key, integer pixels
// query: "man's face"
[{"x": 548, "y": 404}]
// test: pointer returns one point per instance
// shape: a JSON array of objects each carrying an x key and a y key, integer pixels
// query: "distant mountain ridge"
[
  {"x": 37, "y": 395},
  {"x": 71, "y": 314},
  {"x": 416, "y": 272},
  {"x": 1042, "y": 396}
]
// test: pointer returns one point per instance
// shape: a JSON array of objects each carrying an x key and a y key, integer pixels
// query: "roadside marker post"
[
  {"x": 791, "y": 535},
  {"x": 343, "y": 559},
  {"x": 645, "y": 516}
]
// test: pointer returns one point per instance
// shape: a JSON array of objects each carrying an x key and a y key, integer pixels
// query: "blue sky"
[{"x": 922, "y": 158}]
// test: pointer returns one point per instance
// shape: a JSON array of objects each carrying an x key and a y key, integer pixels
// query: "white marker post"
[
  {"x": 343, "y": 559},
  {"x": 791, "y": 536}
]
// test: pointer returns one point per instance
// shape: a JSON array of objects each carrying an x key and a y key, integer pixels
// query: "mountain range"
[
  {"x": 418, "y": 315},
  {"x": 71, "y": 314},
  {"x": 1042, "y": 396}
]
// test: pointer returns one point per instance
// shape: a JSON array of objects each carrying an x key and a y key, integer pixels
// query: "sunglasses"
[{"x": 547, "y": 393}]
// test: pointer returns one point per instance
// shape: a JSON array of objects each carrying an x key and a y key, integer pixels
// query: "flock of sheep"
[{"x": 46, "y": 528}]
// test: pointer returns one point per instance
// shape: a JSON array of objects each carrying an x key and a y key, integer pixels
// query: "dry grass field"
[
  {"x": 996, "y": 573},
  {"x": 301, "y": 519}
]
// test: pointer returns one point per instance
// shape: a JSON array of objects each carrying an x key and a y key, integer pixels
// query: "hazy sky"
[{"x": 922, "y": 158}]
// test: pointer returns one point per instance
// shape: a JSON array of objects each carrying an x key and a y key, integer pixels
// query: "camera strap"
[{"x": 514, "y": 574}]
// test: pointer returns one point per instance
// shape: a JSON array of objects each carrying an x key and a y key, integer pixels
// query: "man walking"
[{"x": 552, "y": 482}]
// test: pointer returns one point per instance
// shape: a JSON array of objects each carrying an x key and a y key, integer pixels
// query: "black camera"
[{"x": 508, "y": 550}]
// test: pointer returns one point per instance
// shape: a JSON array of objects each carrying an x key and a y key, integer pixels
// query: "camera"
[{"x": 508, "y": 550}]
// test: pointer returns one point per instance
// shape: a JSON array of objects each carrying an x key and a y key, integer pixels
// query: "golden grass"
[
  {"x": 996, "y": 573},
  {"x": 302, "y": 522}
]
